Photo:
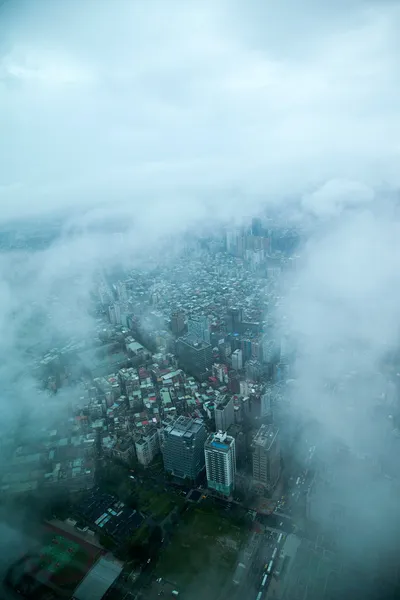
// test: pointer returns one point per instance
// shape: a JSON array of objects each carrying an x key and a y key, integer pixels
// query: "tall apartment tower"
[
  {"x": 183, "y": 447},
  {"x": 237, "y": 360},
  {"x": 220, "y": 457},
  {"x": 224, "y": 413},
  {"x": 266, "y": 457}
]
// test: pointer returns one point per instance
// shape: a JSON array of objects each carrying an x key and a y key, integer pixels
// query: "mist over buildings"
[{"x": 168, "y": 117}]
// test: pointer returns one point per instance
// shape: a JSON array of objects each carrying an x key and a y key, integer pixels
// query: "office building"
[
  {"x": 183, "y": 447},
  {"x": 147, "y": 446},
  {"x": 257, "y": 229},
  {"x": 220, "y": 458},
  {"x": 266, "y": 457},
  {"x": 114, "y": 313},
  {"x": 253, "y": 370},
  {"x": 233, "y": 319},
  {"x": 237, "y": 360},
  {"x": 199, "y": 329},
  {"x": 224, "y": 413},
  {"x": 195, "y": 357},
  {"x": 177, "y": 323},
  {"x": 266, "y": 404}
]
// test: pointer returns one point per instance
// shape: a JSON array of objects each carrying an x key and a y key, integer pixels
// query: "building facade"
[
  {"x": 183, "y": 447},
  {"x": 195, "y": 357},
  {"x": 237, "y": 360},
  {"x": 199, "y": 329},
  {"x": 224, "y": 413},
  {"x": 220, "y": 459},
  {"x": 147, "y": 446},
  {"x": 266, "y": 457}
]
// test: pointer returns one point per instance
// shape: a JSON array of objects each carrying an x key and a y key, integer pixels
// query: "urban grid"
[{"x": 180, "y": 467}]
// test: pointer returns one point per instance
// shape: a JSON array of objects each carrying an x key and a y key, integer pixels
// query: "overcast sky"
[{"x": 170, "y": 99}]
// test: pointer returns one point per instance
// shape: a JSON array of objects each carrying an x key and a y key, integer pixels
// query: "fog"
[{"x": 167, "y": 115}]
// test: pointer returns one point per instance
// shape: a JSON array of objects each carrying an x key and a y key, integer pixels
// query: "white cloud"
[
  {"x": 335, "y": 195},
  {"x": 192, "y": 97}
]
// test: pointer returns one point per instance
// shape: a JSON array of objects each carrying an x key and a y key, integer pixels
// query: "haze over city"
[{"x": 244, "y": 154}]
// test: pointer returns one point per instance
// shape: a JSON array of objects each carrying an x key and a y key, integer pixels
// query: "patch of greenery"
[{"x": 204, "y": 542}]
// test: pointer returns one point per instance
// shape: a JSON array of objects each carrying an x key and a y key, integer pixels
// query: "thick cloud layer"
[{"x": 112, "y": 101}]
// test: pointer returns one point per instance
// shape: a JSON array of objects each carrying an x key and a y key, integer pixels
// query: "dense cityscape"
[{"x": 171, "y": 459}]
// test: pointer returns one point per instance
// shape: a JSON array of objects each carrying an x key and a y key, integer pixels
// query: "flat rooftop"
[
  {"x": 266, "y": 436},
  {"x": 222, "y": 403},
  {"x": 213, "y": 441},
  {"x": 184, "y": 426}
]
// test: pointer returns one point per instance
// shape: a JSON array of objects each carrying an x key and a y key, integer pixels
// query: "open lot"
[
  {"x": 202, "y": 554},
  {"x": 155, "y": 501}
]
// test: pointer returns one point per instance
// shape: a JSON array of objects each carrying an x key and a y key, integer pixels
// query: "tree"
[
  {"x": 107, "y": 542},
  {"x": 155, "y": 536}
]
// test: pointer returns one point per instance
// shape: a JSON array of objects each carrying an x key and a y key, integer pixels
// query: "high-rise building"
[
  {"x": 114, "y": 313},
  {"x": 266, "y": 457},
  {"x": 266, "y": 404},
  {"x": 199, "y": 329},
  {"x": 177, "y": 323},
  {"x": 195, "y": 357},
  {"x": 183, "y": 447},
  {"x": 220, "y": 458},
  {"x": 122, "y": 291},
  {"x": 237, "y": 360},
  {"x": 234, "y": 318},
  {"x": 257, "y": 227},
  {"x": 224, "y": 413}
]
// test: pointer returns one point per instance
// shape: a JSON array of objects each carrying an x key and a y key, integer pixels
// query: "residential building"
[
  {"x": 183, "y": 447},
  {"x": 147, "y": 446},
  {"x": 266, "y": 404},
  {"x": 237, "y": 360},
  {"x": 220, "y": 458},
  {"x": 114, "y": 313},
  {"x": 124, "y": 450},
  {"x": 224, "y": 413},
  {"x": 266, "y": 457}
]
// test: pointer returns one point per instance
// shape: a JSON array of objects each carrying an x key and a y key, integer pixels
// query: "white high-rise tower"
[{"x": 220, "y": 457}]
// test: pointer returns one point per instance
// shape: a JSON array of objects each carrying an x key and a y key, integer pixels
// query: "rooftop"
[
  {"x": 184, "y": 426},
  {"x": 219, "y": 441},
  {"x": 99, "y": 579},
  {"x": 266, "y": 436},
  {"x": 223, "y": 402}
]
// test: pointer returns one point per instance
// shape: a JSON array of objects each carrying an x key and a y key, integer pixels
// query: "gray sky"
[{"x": 172, "y": 100}]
